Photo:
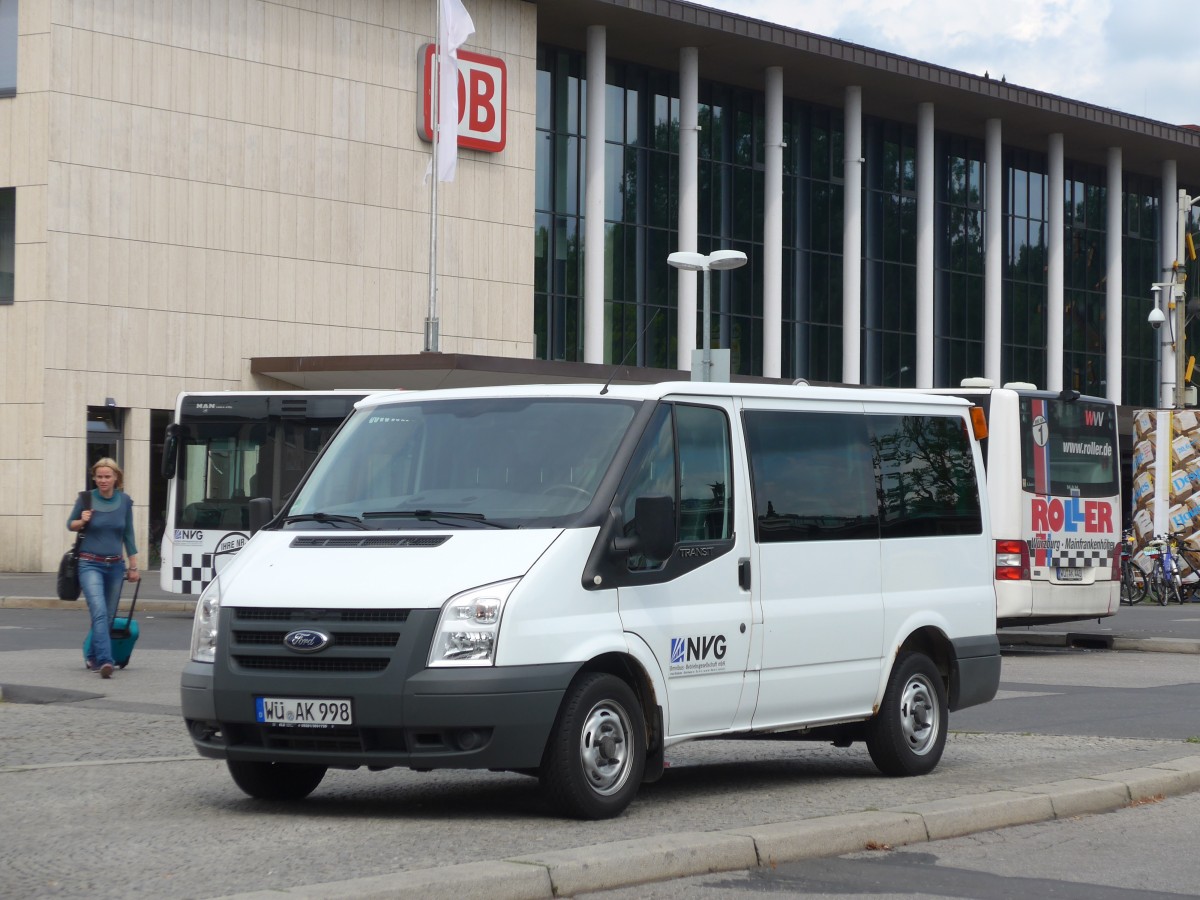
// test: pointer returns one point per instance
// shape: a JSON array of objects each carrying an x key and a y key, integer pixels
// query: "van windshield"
[{"x": 464, "y": 463}]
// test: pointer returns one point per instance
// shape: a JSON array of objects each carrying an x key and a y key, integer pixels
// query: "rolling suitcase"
[{"x": 123, "y": 631}]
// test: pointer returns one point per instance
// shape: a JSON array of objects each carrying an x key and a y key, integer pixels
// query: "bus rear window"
[{"x": 1068, "y": 448}]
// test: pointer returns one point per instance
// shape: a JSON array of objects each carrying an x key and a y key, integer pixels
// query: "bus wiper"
[
  {"x": 326, "y": 517},
  {"x": 432, "y": 515}
]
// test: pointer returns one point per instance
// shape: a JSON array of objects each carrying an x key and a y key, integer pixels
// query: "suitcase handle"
[{"x": 124, "y": 633}]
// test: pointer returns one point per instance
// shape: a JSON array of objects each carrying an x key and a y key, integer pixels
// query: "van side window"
[
  {"x": 705, "y": 479},
  {"x": 685, "y": 455},
  {"x": 812, "y": 475},
  {"x": 927, "y": 478}
]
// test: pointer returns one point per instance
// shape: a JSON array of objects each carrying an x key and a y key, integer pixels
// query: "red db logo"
[{"x": 482, "y": 100}]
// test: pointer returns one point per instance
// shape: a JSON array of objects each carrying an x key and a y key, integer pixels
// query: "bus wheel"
[
  {"x": 596, "y": 754},
  {"x": 275, "y": 781},
  {"x": 908, "y": 734}
]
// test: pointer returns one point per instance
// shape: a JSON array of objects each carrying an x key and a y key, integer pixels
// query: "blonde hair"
[{"x": 111, "y": 464}]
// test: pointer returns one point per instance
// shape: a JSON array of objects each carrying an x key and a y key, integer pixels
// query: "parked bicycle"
[
  {"x": 1188, "y": 558},
  {"x": 1134, "y": 580},
  {"x": 1165, "y": 582}
]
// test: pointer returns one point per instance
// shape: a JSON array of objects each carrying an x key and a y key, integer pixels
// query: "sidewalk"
[{"x": 36, "y": 590}]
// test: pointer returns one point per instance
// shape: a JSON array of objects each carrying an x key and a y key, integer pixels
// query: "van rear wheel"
[
  {"x": 274, "y": 780},
  {"x": 908, "y": 734},
  {"x": 596, "y": 754}
]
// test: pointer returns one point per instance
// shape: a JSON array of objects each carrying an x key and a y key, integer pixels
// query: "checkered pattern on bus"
[
  {"x": 1081, "y": 558},
  {"x": 194, "y": 574}
]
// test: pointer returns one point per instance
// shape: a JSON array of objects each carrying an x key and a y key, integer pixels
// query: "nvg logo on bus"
[
  {"x": 189, "y": 536},
  {"x": 690, "y": 656},
  {"x": 1072, "y": 514}
]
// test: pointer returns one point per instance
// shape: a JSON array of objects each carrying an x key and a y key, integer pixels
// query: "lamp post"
[{"x": 690, "y": 261}]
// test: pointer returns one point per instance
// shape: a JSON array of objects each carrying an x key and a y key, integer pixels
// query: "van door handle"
[{"x": 744, "y": 574}]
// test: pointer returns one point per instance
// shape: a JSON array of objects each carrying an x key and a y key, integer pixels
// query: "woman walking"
[{"x": 107, "y": 530}]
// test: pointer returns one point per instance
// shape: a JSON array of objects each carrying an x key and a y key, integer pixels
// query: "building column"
[
  {"x": 773, "y": 228},
  {"x": 689, "y": 166},
  {"x": 1055, "y": 197},
  {"x": 593, "y": 227},
  {"x": 993, "y": 254},
  {"x": 1168, "y": 229},
  {"x": 852, "y": 168},
  {"x": 1113, "y": 276},
  {"x": 925, "y": 245}
]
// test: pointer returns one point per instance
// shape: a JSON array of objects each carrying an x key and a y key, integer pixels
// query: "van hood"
[{"x": 377, "y": 569}]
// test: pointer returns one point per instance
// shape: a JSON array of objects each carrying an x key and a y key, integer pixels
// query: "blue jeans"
[{"x": 101, "y": 583}]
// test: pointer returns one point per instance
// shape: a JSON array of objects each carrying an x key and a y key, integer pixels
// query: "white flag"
[{"x": 456, "y": 27}]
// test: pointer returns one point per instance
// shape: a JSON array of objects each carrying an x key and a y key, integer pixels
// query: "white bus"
[
  {"x": 225, "y": 448},
  {"x": 1053, "y": 471}
]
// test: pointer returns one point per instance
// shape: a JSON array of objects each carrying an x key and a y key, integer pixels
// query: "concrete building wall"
[{"x": 205, "y": 181}]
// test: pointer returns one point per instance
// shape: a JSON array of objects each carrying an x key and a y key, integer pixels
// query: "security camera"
[{"x": 1156, "y": 318}]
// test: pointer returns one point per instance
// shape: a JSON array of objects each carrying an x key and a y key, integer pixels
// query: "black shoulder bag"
[{"x": 68, "y": 567}]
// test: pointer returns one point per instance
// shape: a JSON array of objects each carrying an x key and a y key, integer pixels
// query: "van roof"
[{"x": 676, "y": 389}]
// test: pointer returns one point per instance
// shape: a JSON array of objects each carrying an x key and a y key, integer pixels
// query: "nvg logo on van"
[
  {"x": 188, "y": 536},
  {"x": 691, "y": 656}
]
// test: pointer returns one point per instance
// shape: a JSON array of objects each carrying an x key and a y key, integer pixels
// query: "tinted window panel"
[
  {"x": 705, "y": 481},
  {"x": 812, "y": 476},
  {"x": 927, "y": 478}
]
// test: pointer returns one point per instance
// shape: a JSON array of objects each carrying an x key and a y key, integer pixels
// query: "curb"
[
  {"x": 1099, "y": 641},
  {"x": 182, "y": 606},
  {"x": 566, "y": 873}
]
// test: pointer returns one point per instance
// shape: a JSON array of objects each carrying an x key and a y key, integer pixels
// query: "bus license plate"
[
  {"x": 1070, "y": 574},
  {"x": 303, "y": 711}
]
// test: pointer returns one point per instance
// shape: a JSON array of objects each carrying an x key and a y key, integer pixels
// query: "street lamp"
[{"x": 690, "y": 261}]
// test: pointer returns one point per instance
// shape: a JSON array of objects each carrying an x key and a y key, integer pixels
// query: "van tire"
[
  {"x": 275, "y": 780},
  {"x": 907, "y": 735},
  {"x": 596, "y": 754}
]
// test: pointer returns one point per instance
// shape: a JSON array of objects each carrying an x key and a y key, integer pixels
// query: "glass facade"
[
  {"x": 8, "y": 48},
  {"x": 642, "y": 196},
  {"x": 1025, "y": 247},
  {"x": 958, "y": 260},
  {"x": 1140, "y": 268},
  {"x": 8, "y": 218}
]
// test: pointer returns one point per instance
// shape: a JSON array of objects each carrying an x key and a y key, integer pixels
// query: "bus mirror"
[
  {"x": 260, "y": 513},
  {"x": 170, "y": 451}
]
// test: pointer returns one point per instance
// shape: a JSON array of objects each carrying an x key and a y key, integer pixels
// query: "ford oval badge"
[{"x": 306, "y": 640}]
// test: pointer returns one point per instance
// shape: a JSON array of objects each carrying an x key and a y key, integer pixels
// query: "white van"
[{"x": 565, "y": 581}]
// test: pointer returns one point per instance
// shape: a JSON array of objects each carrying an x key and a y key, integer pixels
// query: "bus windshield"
[
  {"x": 245, "y": 449},
  {"x": 225, "y": 449},
  {"x": 1068, "y": 448},
  {"x": 491, "y": 462}
]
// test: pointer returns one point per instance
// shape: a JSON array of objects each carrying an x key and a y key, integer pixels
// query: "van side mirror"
[
  {"x": 170, "y": 451},
  {"x": 261, "y": 512},
  {"x": 655, "y": 534}
]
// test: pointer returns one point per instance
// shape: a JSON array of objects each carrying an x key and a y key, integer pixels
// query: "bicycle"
[
  {"x": 1188, "y": 556},
  {"x": 1164, "y": 578},
  {"x": 1134, "y": 580}
]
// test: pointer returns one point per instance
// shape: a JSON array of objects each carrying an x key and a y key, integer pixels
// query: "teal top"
[{"x": 111, "y": 527}]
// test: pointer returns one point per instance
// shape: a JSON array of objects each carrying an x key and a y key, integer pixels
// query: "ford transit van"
[{"x": 565, "y": 581}]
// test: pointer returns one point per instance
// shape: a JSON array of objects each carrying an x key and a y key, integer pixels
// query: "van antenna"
[{"x": 633, "y": 346}]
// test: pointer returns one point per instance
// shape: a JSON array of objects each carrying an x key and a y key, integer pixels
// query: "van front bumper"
[{"x": 404, "y": 714}]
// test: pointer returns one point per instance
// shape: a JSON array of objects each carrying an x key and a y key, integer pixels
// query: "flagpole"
[{"x": 435, "y": 77}]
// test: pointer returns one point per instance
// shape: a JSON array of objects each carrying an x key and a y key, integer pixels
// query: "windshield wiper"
[
  {"x": 332, "y": 518},
  {"x": 432, "y": 515}
]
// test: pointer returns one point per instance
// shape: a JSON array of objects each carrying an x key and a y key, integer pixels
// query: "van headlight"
[
  {"x": 469, "y": 626},
  {"x": 205, "y": 624}
]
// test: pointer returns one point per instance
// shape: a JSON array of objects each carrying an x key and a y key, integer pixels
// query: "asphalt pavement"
[{"x": 753, "y": 823}]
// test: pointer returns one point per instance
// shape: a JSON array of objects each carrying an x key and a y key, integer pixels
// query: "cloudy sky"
[{"x": 1113, "y": 53}]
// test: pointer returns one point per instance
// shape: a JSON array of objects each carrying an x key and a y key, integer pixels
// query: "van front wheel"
[
  {"x": 275, "y": 781},
  {"x": 908, "y": 734},
  {"x": 597, "y": 751}
]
